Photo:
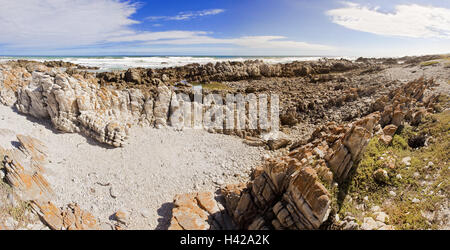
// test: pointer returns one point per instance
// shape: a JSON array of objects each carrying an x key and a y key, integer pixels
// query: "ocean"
[{"x": 109, "y": 63}]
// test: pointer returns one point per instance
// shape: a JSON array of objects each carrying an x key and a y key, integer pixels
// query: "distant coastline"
[{"x": 106, "y": 63}]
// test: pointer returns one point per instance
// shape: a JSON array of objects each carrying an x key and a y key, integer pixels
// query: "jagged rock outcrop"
[
  {"x": 199, "y": 211},
  {"x": 227, "y": 71},
  {"x": 104, "y": 105},
  {"x": 104, "y": 110},
  {"x": 348, "y": 150},
  {"x": 294, "y": 191},
  {"x": 284, "y": 195},
  {"x": 298, "y": 190},
  {"x": 406, "y": 60},
  {"x": 388, "y": 133},
  {"x": 78, "y": 103},
  {"x": 10, "y": 81},
  {"x": 24, "y": 166},
  {"x": 71, "y": 217},
  {"x": 289, "y": 192}
]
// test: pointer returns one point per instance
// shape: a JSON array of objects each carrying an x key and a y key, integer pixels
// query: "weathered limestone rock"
[
  {"x": 78, "y": 105},
  {"x": 10, "y": 81},
  {"x": 307, "y": 202},
  {"x": 31, "y": 185},
  {"x": 104, "y": 105},
  {"x": 388, "y": 133},
  {"x": 304, "y": 202},
  {"x": 346, "y": 151},
  {"x": 180, "y": 112},
  {"x": 34, "y": 147},
  {"x": 230, "y": 71},
  {"x": 253, "y": 141},
  {"x": 275, "y": 144},
  {"x": 289, "y": 192},
  {"x": 121, "y": 216},
  {"x": 386, "y": 139},
  {"x": 162, "y": 105},
  {"x": 394, "y": 109},
  {"x": 417, "y": 116},
  {"x": 232, "y": 193},
  {"x": 199, "y": 211},
  {"x": 24, "y": 166},
  {"x": 381, "y": 175},
  {"x": 71, "y": 217}
]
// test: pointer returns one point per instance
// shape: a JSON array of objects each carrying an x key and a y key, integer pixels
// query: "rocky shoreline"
[
  {"x": 104, "y": 105},
  {"x": 329, "y": 111}
]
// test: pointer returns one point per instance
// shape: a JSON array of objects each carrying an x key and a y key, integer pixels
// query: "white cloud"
[
  {"x": 175, "y": 37},
  {"x": 187, "y": 15},
  {"x": 411, "y": 20},
  {"x": 277, "y": 42},
  {"x": 62, "y": 25},
  {"x": 252, "y": 42},
  {"x": 154, "y": 36}
]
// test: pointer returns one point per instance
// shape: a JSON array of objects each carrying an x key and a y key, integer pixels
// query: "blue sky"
[{"x": 225, "y": 27}]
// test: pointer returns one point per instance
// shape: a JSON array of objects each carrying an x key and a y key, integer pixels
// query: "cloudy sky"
[{"x": 224, "y": 27}]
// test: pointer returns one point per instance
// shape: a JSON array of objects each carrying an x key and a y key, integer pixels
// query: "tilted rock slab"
[
  {"x": 77, "y": 103},
  {"x": 289, "y": 192},
  {"x": 24, "y": 167},
  {"x": 71, "y": 217},
  {"x": 199, "y": 211}
]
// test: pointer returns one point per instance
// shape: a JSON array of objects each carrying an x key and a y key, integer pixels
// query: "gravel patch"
[{"x": 142, "y": 177}]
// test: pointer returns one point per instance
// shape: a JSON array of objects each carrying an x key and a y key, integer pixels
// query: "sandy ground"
[
  {"x": 142, "y": 177},
  {"x": 438, "y": 72}
]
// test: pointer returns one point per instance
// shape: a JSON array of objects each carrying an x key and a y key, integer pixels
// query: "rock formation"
[
  {"x": 294, "y": 191},
  {"x": 226, "y": 71},
  {"x": 24, "y": 168},
  {"x": 76, "y": 103},
  {"x": 104, "y": 105},
  {"x": 199, "y": 211},
  {"x": 298, "y": 190}
]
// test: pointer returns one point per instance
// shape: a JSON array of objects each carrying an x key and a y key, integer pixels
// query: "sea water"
[{"x": 110, "y": 63}]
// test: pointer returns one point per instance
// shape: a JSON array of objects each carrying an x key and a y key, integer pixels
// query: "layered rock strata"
[
  {"x": 24, "y": 166},
  {"x": 298, "y": 190},
  {"x": 78, "y": 103},
  {"x": 227, "y": 71},
  {"x": 104, "y": 105},
  {"x": 199, "y": 211}
]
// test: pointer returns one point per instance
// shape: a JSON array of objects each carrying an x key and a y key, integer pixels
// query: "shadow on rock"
[{"x": 165, "y": 213}]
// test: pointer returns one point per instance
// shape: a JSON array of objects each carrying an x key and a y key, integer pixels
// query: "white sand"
[{"x": 144, "y": 175}]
